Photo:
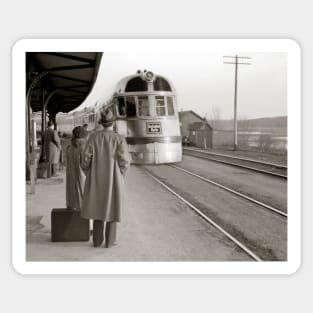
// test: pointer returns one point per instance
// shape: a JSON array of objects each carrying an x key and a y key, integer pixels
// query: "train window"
[
  {"x": 130, "y": 106},
  {"x": 136, "y": 84},
  {"x": 170, "y": 106},
  {"x": 91, "y": 118},
  {"x": 160, "y": 84},
  {"x": 121, "y": 107},
  {"x": 160, "y": 106},
  {"x": 143, "y": 106}
]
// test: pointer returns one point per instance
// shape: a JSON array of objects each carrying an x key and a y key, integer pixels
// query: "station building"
[{"x": 196, "y": 129}]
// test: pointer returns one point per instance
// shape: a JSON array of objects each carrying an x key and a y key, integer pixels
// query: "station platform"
[{"x": 155, "y": 226}]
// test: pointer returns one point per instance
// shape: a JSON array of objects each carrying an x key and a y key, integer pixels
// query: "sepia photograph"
[{"x": 142, "y": 156}]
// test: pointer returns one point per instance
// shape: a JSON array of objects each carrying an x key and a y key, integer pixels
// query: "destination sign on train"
[{"x": 154, "y": 128}]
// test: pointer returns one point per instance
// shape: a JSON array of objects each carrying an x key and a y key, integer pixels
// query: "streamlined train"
[{"x": 145, "y": 107}]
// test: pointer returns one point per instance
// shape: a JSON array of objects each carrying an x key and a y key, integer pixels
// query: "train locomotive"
[{"x": 145, "y": 107}]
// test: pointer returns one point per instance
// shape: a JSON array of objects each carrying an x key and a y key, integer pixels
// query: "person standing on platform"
[
  {"x": 105, "y": 161},
  {"x": 75, "y": 176},
  {"x": 52, "y": 144},
  {"x": 85, "y": 126}
]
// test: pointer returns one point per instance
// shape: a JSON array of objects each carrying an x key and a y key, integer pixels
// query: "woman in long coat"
[
  {"x": 105, "y": 161},
  {"x": 75, "y": 176}
]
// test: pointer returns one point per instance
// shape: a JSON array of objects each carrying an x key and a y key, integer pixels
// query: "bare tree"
[{"x": 214, "y": 117}]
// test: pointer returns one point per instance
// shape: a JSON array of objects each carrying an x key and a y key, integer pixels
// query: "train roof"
[{"x": 140, "y": 81}]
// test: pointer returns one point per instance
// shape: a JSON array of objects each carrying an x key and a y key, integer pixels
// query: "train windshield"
[
  {"x": 160, "y": 106},
  {"x": 170, "y": 106},
  {"x": 136, "y": 84},
  {"x": 164, "y": 106},
  {"x": 143, "y": 106},
  {"x": 121, "y": 107},
  {"x": 130, "y": 106},
  {"x": 160, "y": 84}
]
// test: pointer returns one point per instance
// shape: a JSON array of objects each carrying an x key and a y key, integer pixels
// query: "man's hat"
[
  {"x": 79, "y": 132},
  {"x": 107, "y": 118}
]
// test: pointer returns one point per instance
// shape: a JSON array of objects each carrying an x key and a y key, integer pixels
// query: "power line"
[{"x": 236, "y": 63}]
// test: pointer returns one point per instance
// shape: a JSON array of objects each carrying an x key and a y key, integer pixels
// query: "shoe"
[
  {"x": 111, "y": 245},
  {"x": 97, "y": 244}
]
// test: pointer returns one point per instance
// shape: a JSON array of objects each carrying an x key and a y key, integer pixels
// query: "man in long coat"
[
  {"x": 52, "y": 146},
  {"x": 105, "y": 161}
]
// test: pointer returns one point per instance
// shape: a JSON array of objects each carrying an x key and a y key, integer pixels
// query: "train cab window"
[
  {"x": 136, "y": 84},
  {"x": 160, "y": 84},
  {"x": 143, "y": 106},
  {"x": 160, "y": 106},
  {"x": 130, "y": 106},
  {"x": 121, "y": 107},
  {"x": 170, "y": 106}
]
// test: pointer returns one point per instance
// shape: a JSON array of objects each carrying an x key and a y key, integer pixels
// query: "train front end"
[{"x": 147, "y": 115}]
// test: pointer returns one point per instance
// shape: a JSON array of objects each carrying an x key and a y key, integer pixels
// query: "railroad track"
[
  {"x": 254, "y": 256},
  {"x": 268, "y": 168},
  {"x": 239, "y": 194}
]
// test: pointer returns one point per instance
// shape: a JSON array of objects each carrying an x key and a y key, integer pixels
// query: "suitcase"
[
  {"x": 42, "y": 169},
  {"x": 67, "y": 225}
]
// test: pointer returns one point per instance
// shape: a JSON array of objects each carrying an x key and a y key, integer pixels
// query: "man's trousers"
[
  {"x": 110, "y": 233},
  {"x": 51, "y": 169}
]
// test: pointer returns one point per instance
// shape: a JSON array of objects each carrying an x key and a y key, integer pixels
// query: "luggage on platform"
[
  {"x": 42, "y": 169},
  {"x": 67, "y": 225}
]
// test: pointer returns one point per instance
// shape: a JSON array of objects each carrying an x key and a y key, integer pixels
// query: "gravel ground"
[
  {"x": 264, "y": 232},
  {"x": 265, "y": 188}
]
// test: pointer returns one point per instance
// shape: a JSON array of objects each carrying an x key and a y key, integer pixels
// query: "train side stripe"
[{"x": 146, "y": 140}]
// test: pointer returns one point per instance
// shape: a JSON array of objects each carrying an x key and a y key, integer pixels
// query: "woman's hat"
[
  {"x": 80, "y": 132},
  {"x": 107, "y": 118}
]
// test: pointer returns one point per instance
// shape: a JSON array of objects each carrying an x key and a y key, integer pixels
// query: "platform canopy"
[{"x": 67, "y": 76}]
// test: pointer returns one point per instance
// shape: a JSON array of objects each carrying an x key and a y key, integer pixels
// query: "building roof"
[
  {"x": 183, "y": 113},
  {"x": 70, "y": 75},
  {"x": 202, "y": 124},
  {"x": 199, "y": 125}
]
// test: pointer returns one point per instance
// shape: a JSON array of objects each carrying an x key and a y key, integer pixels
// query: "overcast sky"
[{"x": 203, "y": 82}]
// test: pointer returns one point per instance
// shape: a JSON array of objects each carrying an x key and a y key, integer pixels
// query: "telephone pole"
[{"x": 236, "y": 57}]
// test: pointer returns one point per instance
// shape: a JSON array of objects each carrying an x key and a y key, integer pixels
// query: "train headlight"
[{"x": 149, "y": 76}]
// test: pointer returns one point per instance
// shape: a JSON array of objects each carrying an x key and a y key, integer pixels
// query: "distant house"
[
  {"x": 186, "y": 118},
  {"x": 196, "y": 129}
]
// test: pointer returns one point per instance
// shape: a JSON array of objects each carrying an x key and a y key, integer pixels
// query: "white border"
[{"x": 156, "y": 45}]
